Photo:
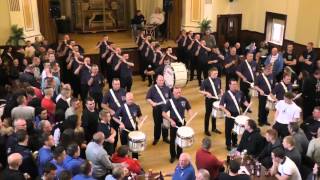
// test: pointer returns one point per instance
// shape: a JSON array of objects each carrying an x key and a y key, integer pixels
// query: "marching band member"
[
  {"x": 192, "y": 47},
  {"x": 157, "y": 97},
  {"x": 202, "y": 61},
  {"x": 264, "y": 85},
  {"x": 177, "y": 106},
  {"x": 211, "y": 89},
  {"x": 230, "y": 64},
  {"x": 230, "y": 103},
  {"x": 282, "y": 87},
  {"x": 125, "y": 68}
]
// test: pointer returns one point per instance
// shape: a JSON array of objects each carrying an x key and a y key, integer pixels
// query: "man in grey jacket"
[{"x": 99, "y": 156}]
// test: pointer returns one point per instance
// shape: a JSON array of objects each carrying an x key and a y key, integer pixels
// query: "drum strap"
[
  {"x": 184, "y": 41},
  {"x": 250, "y": 70},
  {"x": 130, "y": 116},
  {"x": 115, "y": 99},
  {"x": 160, "y": 93},
  {"x": 154, "y": 57},
  {"x": 284, "y": 87},
  {"x": 176, "y": 111},
  {"x": 213, "y": 87},
  {"x": 234, "y": 101},
  {"x": 267, "y": 81}
]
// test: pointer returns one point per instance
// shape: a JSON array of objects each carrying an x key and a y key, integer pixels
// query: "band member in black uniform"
[
  {"x": 73, "y": 64},
  {"x": 282, "y": 87},
  {"x": 182, "y": 41},
  {"x": 103, "y": 46},
  {"x": 142, "y": 49},
  {"x": 113, "y": 60},
  {"x": 311, "y": 93},
  {"x": 160, "y": 69},
  {"x": 139, "y": 42},
  {"x": 230, "y": 103},
  {"x": 246, "y": 71},
  {"x": 157, "y": 97},
  {"x": 202, "y": 61},
  {"x": 264, "y": 85},
  {"x": 125, "y": 68},
  {"x": 129, "y": 113},
  {"x": 226, "y": 49},
  {"x": 230, "y": 64},
  {"x": 215, "y": 59},
  {"x": 150, "y": 56},
  {"x": 83, "y": 70},
  {"x": 192, "y": 47},
  {"x": 95, "y": 84},
  {"x": 112, "y": 101},
  {"x": 211, "y": 89},
  {"x": 177, "y": 106},
  {"x": 187, "y": 51},
  {"x": 109, "y": 133},
  {"x": 308, "y": 59}
]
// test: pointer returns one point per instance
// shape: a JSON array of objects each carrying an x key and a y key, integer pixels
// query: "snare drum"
[
  {"x": 239, "y": 123},
  {"x": 165, "y": 122},
  {"x": 175, "y": 74},
  {"x": 216, "y": 112},
  {"x": 271, "y": 104},
  {"x": 253, "y": 92},
  {"x": 137, "y": 141},
  {"x": 185, "y": 137}
]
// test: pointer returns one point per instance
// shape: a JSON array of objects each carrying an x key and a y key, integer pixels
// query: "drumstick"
[
  {"x": 116, "y": 120},
  {"x": 192, "y": 117},
  {"x": 249, "y": 83},
  {"x": 126, "y": 130},
  {"x": 245, "y": 112},
  {"x": 139, "y": 127},
  {"x": 297, "y": 96}
]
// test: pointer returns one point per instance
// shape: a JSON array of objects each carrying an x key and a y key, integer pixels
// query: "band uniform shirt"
[
  {"x": 97, "y": 84},
  {"x": 206, "y": 86},
  {"x": 154, "y": 95},
  {"x": 119, "y": 94},
  {"x": 228, "y": 60},
  {"x": 181, "y": 104},
  {"x": 244, "y": 69},
  {"x": 262, "y": 84},
  {"x": 227, "y": 101},
  {"x": 279, "y": 91},
  {"x": 135, "y": 112}
]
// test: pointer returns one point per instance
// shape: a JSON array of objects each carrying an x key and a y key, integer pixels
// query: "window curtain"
[{"x": 48, "y": 27}]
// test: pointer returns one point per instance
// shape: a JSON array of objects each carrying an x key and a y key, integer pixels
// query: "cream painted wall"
[{"x": 5, "y": 22}]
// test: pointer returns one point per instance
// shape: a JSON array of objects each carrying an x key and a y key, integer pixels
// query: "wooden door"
[{"x": 228, "y": 28}]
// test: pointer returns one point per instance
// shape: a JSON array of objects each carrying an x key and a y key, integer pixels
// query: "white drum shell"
[
  {"x": 239, "y": 124},
  {"x": 137, "y": 141},
  {"x": 185, "y": 137},
  {"x": 253, "y": 92},
  {"x": 177, "y": 76},
  {"x": 216, "y": 111}
]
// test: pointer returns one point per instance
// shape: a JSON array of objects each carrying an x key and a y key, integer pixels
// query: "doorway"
[{"x": 228, "y": 28}]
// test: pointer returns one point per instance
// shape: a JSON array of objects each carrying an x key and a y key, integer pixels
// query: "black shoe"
[
  {"x": 261, "y": 124},
  {"x": 207, "y": 133},
  {"x": 228, "y": 147},
  {"x": 268, "y": 124},
  {"x": 216, "y": 131},
  {"x": 155, "y": 142},
  {"x": 235, "y": 145},
  {"x": 172, "y": 160},
  {"x": 166, "y": 141}
]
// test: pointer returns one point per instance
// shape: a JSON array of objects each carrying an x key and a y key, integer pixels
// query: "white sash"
[
  {"x": 213, "y": 87},
  {"x": 267, "y": 81},
  {"x": 154, "y": 57},
  {"x": 284, "y": 87},
  {"x": 249, "y": 67},
  {"x": 160, "y": 93},
  {"x": 130, "y": 116},
  {"x": 234, "y": 101},
  {"x": 115, "y": 98},
  {"x": 176, "y": 111},
  {"x": 184, "y": 42}
]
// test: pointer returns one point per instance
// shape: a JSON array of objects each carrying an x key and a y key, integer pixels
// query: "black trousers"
[
  {"x": 208, "y": 105},
  {"x": 175, "y": 150},
  {"x": 108, "y": 74},
  {"x": 125, "y": 141},
  {"x": 108, "y": 147},
  {"x": 245, "y": 88},
  {"x": 263, "y": 111},
  {"x": 157, "y": 128},
  {"x": 230, "y": 76},
  {"x": 75, "y": 85},
  {"x": 282, "y": 129},
  {"x": 115, "y": 126},
  {"x": 193, "y": 66},
  {"x": 202, "y": 69},
  {"x": 231, "y": 137},
  {"x": 84, "y": 92},
  {"x": 126, "y": 83}
]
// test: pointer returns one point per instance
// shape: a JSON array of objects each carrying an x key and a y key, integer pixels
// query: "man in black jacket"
[
  {"x": 251, "y": 139},
  {"x": 311, "y": 94}
]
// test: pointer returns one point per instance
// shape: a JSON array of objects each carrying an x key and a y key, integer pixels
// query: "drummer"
[
  {"x": 282, "y": 87},
  {"x": 211, "y": 89},
  {"x": 264, "y": 85},
  {"x": 129, "y": 113},
  {"x": 177, "y": 106},
  {"x": 230, "y": 103},
  {"x": 246, "y": 71},
  {"x": 157, "y": 97}
]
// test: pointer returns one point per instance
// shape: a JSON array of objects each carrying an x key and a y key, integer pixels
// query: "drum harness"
[
  {"x": 160, "y": 94},
  {"x": 250, "y": 70},
  {"x": 267, "y": 81},
  {"x": 130, "y": 116},
  {"x": 176, "y": 111},
  {"x": 234, "y": 101},
  {"x": 115, "y": 98},
  {"x": 213, "y": 88}
]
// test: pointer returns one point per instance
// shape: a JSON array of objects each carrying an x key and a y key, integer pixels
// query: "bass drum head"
[
  {"x": 175, "y": 74},
  {"x": 168, "y": 76}
]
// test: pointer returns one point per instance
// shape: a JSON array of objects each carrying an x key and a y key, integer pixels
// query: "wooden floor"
[
  {"x": 122, "y": 39},
  {"x": 157, "y": 157}
]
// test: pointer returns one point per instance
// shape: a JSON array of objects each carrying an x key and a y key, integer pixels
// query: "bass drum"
[{"x": 175, "y": 74}]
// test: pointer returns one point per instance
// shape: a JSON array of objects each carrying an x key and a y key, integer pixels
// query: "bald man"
[
  {"x": 12, "y": 171},
  {"x": 184, "y": 169},
  {"x": 203, "y": 175},
  {"x": 129, "y": 113}
]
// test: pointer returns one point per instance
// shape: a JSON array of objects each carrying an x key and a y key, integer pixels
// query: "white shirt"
[
  {"x": 289, "y": 168},
  {"x": 287, "y": 112},
  {"x": 157, "y": 18}
]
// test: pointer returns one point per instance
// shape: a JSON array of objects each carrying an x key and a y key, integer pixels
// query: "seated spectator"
[
  {"x": 85, "y": 172},
  {"x": 234, "y": 168},
  {"x": 251, "y": 139},
  {"x": 206, "y": 160},
  {"x": 283, "y": 167},
  {"x": 118, "y": 172},
  {"x": 23, "y": 110},
  {"x": 12, "y": 172},
  {"x": 45, "y": 152},
  {"x": 300, "y": 138},
  {"x": 291, "y": 151},
  {"x": 121, "y": 156},
  {"x": 311, "y": 125},
  {"x": 314, "y": 148},
  {"x": 184, "y": 170},
  {"x": 58, "y": 155},
  {"x": 98, "y": 156},
  {"x": 203, "y": 175},
  {"x": 137, "y": 22},
  {"x": 273, "y": 142},
  {"x": 72, "y": 161},
  {"x": 157, "y": 18},
  {"x": 49, "y": 172}
]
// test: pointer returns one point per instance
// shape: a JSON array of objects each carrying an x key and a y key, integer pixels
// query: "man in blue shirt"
[
  {"x": 85, "y": 172},
  {"x": 184, "y": 170},
  {"x": 45, "y": 153},
  {"x": 72, "y": 162},
  {"x": 59, "y": 155}
]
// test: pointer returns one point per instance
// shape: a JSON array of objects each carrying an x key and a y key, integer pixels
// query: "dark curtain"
[
  {"x": 47, "y": 24},
  {"x": 174, "y": 19}
]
